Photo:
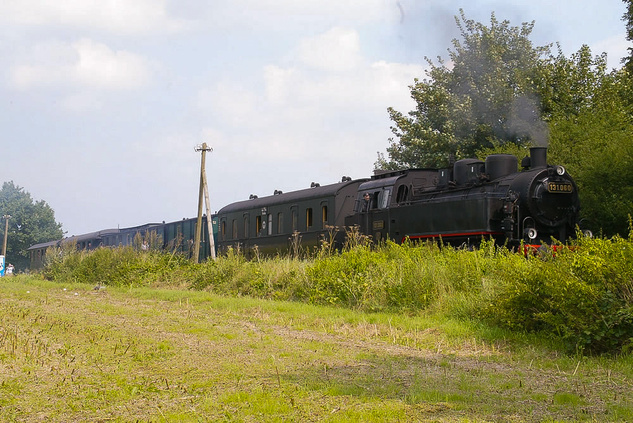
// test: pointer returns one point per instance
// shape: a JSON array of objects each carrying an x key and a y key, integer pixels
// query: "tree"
[
  {"x": 502, "y": 94},
  {"x": 593, "y": 137},
  {"x": 485, "y": 98},
  {"x": 31, "y": 222},
  {"x": 628, "y": 18}
]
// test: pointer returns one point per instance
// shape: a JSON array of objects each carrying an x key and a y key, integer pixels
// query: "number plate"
[{"x": 560, "y": 187}]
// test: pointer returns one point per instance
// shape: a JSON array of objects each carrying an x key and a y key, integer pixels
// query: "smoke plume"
[{"x": 525, "y": 121}]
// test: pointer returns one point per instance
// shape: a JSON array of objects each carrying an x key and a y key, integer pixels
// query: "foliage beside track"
[
  {"x": 581, "y": 295},
  {"x": 112, "y": 266}
]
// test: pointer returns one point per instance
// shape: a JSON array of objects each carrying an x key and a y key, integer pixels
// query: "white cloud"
[
  {"x": 616, "y": 48},
  {"x": 84, "y": 63},
  {"x": 322, "y": 114},
  {"x": 230, "y": 102},
  {"x": 290, "y": 15},
  {"x": 123, "y": 16},
  {"x": 336, "y": 50},
  {"x": 359, "y": 89},
  {"x": 393, "y": 80},
  {"x": 299, "y": 92},
  {"x": 169, "y": 16},
  {"x": 348, "y": 9},
  {"x": 81, "y": 102},
  {"x": 275, "y": 77},
  {"x": 100, "y": 66}
]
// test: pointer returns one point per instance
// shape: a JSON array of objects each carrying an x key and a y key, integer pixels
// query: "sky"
[{"x": 102, "y": 102}]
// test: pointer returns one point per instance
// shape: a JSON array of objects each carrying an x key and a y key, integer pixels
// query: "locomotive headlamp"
[
  {"x": 560, "y": 170},
  {"x": 531, "y": 233}
]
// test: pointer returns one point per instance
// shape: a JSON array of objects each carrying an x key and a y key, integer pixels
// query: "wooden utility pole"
[
  {"x": 6, "y": 218},
  {"x": 203, "y": 192},
  {"x": 209, "y": 219}
]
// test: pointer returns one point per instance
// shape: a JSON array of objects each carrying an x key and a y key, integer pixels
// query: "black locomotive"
[
  {"x": 472, "y": 200},
  {"x": 476, "y": 199}
]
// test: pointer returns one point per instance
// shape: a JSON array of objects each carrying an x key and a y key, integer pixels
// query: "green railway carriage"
[
  {"x": 88, "y": 241},
  {"x": 178, "y": 236},
  {"x": 37, "y": 253},
  {"x": 268, "y": 223}
]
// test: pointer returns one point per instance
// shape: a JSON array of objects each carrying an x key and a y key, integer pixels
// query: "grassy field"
[{"x": 72, "y": 353}]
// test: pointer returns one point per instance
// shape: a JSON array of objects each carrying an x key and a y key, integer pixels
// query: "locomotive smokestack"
[{"x": 538, "y": 157}]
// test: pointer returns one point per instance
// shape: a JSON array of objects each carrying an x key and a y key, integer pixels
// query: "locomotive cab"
[
  {"x": 392, "y": 189},
  {"x": 379, "y": 192},
  {"x": 376, "y": 215}
]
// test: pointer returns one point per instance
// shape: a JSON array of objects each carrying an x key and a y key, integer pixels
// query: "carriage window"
[
  {"x": 308, "y": 218},
  {"x": 245, "y": 226},
  {"x": 294, "y": 220},
  {"x": 270, "y": 224},
  {"x": 258, "y": 225},
  {"x": 280, "y": 226},
  {"x": 324, "y": 215},
  {"x": 223, "y": 230},
  {"x": 234, "y": 229}
]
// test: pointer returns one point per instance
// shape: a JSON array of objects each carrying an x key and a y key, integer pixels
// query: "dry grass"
[{"x": 70, "y": 353}]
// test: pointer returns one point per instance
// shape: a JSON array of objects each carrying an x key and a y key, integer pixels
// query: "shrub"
[
  {"x": 584, "y": 295},
  {"x": 274, "y": 278},
  {"x": 110, "y": 266}
]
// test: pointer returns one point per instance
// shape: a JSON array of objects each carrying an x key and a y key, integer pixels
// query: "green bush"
[
  {"x": 110, "y": 266},
  {"x": 584, "y": 295},
  {"x": 278, "y": 277},
  {"x": 409, "y": 277}
]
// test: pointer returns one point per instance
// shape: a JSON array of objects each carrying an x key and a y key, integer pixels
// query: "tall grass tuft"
[{"x": 112, "y": 266}]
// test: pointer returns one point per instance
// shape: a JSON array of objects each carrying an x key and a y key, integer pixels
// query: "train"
[
  {"x": 459, "y": 205},
  {"x": 177, "y": 237}
]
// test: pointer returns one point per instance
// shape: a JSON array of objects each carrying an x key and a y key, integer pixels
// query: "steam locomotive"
[{"x": 461, "y": 205}]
